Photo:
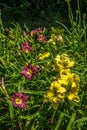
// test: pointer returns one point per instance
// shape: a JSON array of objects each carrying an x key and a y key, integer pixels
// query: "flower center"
[
  {"x": 26, "y": 51},
  {"x": 29, "y": 72},
  {"x": 18, "y": 101}
]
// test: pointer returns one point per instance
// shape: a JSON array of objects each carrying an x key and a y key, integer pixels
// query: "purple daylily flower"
[
  {"x": 19, "y": 100},
  {"x": 36, "y": 31},
  {"x": 29, "y": 71},
  {"x": 41, "y": 38},
  {"x": 26, "y": 47}
]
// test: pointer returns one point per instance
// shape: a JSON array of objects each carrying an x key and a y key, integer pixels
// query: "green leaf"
[
  {"x": 69, "y": 126},
  {"x": 29, "y": 117},
  {"x": 80, "y": 121},
  {"x": 11, "y": 110},
  {"x": 34, "y": 92},
  {"x": 59, "y": 121}
]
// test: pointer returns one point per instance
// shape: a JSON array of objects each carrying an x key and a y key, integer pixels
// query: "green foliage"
[
  {"x": 15, "y": 8},
  {"x": 23, "y": 8},
  {"x": 39, "y": 115}
]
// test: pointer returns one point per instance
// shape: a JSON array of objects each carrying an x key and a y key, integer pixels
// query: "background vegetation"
[
  {"x": 36, "y": 13},
  {"x": 59, "y": 20}
]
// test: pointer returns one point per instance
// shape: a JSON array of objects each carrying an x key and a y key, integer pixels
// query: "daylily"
[
  {"x": 26, "y": 47},
  {"x": 29, "y": 71},
  {"x": 19, "y": 100},
  {"x": 41, "y": 38},
  {"x": 42, "y": 56}
]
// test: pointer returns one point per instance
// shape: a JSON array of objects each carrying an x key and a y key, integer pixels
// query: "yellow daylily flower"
[
  {"x": 53, "y": 39},
  {"x": 56, "y": 87},
  {"x": 48, "y": 96},
  {"x": 64, "y": 72},
  {"x": 54, "y": 84},
  {"x": 63, "y": 82},
  {"x": 62, "y": 61},
  {"x": 55, "y": 94},
  {"x": 44, "y": 55},
  {"x": 75, "y": 78}
]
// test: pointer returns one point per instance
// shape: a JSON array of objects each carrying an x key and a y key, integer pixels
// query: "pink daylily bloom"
[
  {"x": 29, "y": 71},
  {"x": 36, "y": 31},
  {"x": 26, "y": 47},
  {"x": 41, "y": 38},
  {"x": 19, "y": 100}
]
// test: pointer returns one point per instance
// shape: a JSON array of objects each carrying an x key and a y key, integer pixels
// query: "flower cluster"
[
  {"x": 39, "y": 35},
  {"x": 33, "y": 35},
  {"x": 56, "y": 39},
  {"x": 66, "y": 86},
  {"x": 29, "y": 71},
  {"x": 36, "y": 31},
  {"x": 56, "y": 36}
]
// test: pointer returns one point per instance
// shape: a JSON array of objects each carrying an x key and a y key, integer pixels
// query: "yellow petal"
[
  {"x": 73, "y": 97},
  {"x": 61, "y": 90}
]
